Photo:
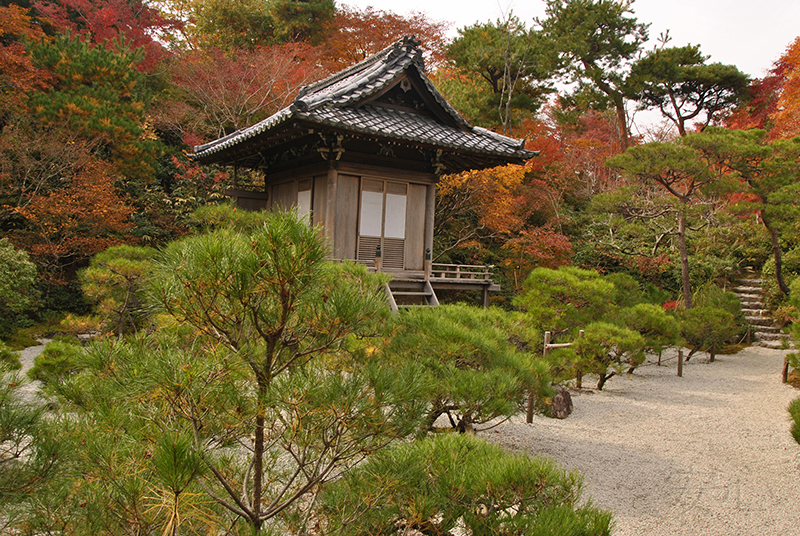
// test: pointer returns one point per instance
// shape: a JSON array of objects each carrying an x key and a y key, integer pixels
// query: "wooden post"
[
  {"x": 378, "y": 256},
  {"x": 428, "y": 266},
  {"x": 330, "y": 210},
  {"x": 529, "y": 414},
  {"x": 785, "y": 372},
  {"x": 680, "y": 362},
  {"x": 579, "y": 372}
]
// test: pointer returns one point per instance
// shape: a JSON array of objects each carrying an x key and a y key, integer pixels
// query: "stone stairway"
[{"x": 762, "y": 327}]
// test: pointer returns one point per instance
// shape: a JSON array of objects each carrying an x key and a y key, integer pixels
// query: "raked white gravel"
[{"x": 708, "y": 454}]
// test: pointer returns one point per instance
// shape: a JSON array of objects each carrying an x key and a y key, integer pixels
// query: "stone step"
[
  {"x": 747, "y": 289},
  {"x": 755, "y": 312},
  {"x": 766, "y": 329},
  {"x": 759, "y": 321},
  {"x": 749, "y": 296},
  {"x": 754, "y": 282},
  {"x": 770, "y": 336}
]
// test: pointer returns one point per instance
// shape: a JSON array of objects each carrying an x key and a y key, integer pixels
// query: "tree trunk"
[
  {"x": 622, "y": 122},
  {"x": 258, "y": 469},
  {"x": 687, "y": 284},
  {"x": 777, "y": 255},
  {"x": 603, "y": 379}
]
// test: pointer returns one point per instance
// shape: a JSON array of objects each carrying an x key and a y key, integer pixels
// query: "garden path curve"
[{"x": 708, "y": 454}]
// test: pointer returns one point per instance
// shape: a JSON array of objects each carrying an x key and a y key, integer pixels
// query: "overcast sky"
[{"x": 748, "y": 34}]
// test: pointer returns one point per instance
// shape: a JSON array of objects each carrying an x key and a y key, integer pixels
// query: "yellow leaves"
[{"x": 493, "y": 193}]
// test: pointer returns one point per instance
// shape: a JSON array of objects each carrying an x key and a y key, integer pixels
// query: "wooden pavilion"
[{"x": 360, "y": 152}]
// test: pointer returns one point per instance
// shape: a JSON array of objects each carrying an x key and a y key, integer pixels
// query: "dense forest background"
[{"x": 101, "y": 101}]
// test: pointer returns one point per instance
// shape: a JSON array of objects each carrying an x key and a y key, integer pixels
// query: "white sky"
[{"x": 749, "y": 34}]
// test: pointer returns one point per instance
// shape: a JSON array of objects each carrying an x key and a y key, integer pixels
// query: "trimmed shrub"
[
  {"x": 8, "y": 358},
  {"x": 794, "y": 411},
  {"x": 58, "y": 361},
  {"x": 708, "y": 329},
  {"x": 478, "y": 364},
  {"x": 606, "y": 349},
  {"x": 659, "y": 329},
  {"x": 439, "y": 484}
]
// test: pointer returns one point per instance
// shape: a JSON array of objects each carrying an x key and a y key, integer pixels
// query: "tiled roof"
[{"x": 331, "y": 102}]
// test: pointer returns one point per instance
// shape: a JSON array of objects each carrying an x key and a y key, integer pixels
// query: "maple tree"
[
  {"x": 220, "y": 92},
  {"x": 76, "y": 221},
  {"x": 18, "y": 75},
  {"x": 786, "y": 117},
  {"x": 355, "y": 34},
  {"x": 762, "y": 101},
  {"x": 109, "y": 21}
]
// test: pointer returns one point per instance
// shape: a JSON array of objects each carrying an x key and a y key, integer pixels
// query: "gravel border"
[{"x": 707, "y": 454}]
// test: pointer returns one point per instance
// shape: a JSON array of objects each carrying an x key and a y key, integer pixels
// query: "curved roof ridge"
[{"x": 378, "y": 57}]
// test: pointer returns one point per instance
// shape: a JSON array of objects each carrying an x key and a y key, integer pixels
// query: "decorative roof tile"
[{"x": 342, "y": 101}]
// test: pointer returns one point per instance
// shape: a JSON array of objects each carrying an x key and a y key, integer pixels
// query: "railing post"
[
  {"x": 378, "y": 255},
  {"x": 428, "y": 264}
]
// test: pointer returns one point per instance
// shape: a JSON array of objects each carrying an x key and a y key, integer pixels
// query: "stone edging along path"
[{"x": 708, "y": 454}]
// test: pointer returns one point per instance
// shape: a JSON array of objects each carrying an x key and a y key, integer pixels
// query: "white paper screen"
[
  {"x": 371, "y": 213},
  {"x": 395, "y": 216}
]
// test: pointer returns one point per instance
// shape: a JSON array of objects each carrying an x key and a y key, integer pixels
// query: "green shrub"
[
  {"x": 17, "y": 281},
  {"x": 627, "y": 291},
  {"x": 708, "y": 329},
  {"x": 606, "y": 349},
  {"x": 58, "y": 361},
  {"x": 434, "y": 485},
  {"x": 9, "y": 359},
  {"x": 477, "y": 364},
  {"x": 794, "y": 411},
  {"x": 115, "y": 281},
  {"x": 565, "y": 300},
  {"x": 659, "y": 329}
]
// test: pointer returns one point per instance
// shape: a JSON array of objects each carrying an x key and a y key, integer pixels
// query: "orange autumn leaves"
[
  {"x": 77, "y": 221},
  {"x": 787, "y": 116},
  {"x": 512, "y": 208}
]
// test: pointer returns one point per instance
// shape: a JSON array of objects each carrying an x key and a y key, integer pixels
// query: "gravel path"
[
  {"x": 26, "y": 357},
  {"x": 708, "y": 454}
]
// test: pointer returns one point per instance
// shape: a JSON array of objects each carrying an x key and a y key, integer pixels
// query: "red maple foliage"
[
  {"x": 104, "y": 21},
  {"x": 222, "y": 91},
  {"x": 356, "y": 34}
]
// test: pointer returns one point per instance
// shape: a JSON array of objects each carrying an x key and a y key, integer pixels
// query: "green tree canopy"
[
  {"x": 515, "y": 63},
  {"x": 682, "y": 86},
  {"x": 596, "y": 41}
]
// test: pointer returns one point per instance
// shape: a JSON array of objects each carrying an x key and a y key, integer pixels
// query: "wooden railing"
[{"x": 460, "y": 271}]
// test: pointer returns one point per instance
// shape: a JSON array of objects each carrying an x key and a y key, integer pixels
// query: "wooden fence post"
[
  {"x": 529, "y": 408},
  {"x": 579, "y": 372},
  {"x": 680, "y": 362}
]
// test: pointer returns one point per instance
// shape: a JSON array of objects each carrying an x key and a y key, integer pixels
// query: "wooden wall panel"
[
  {"x": 320, "y": 205},
  {"x": 285, "y": 195},
  {"x": 415, "y": 226},
  {"x": 346, "y": 225}
]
